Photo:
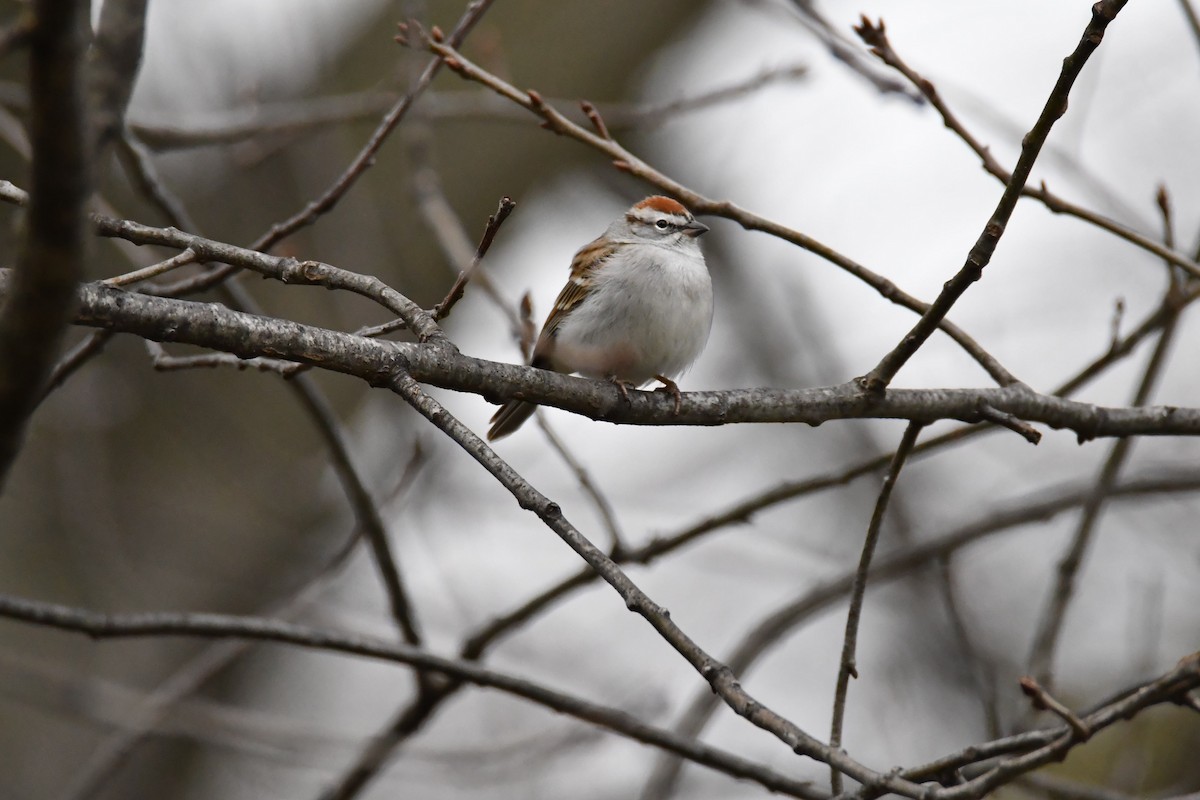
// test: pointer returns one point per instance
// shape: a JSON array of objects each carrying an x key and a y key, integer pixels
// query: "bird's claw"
[{"x": 670, "y": 386}]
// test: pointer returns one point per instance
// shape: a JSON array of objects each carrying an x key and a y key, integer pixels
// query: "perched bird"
[{"x": 637, "y": 307}]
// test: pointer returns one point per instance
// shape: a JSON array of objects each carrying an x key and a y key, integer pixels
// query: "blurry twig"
[
  {"x": 293, "y": 117},
  {"x": 848, "y": 667},
  {"x": 607, "y": 516},
  {"x": 50, "y": 262},
  {"x": 980, "y": 672},
  {"x": 1045, "y": 640},
  {"x": 1192, "y": 18},
  {"x": 1057, "y": 787},
  {"x": 16, "y": 33},
  {"x": 843, "y": 50},
  {"x": 114, "y": 60}
]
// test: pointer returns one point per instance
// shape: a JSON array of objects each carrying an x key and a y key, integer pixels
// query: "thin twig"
[
  {"x": 607, "y": 516},
  {"x": 442, "y": 309},
  {"x": 301, "y": 116},
  {"x": 1042, "y": 700},
  {"x": 1050, "y": 624},
  {"x": 981, "y": 252},
  {"x": 848, "y": 667},
  {"x": 181, "y": 259}
]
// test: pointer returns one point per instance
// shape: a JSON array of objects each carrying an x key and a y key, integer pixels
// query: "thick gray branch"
[{"x": 439, "y": 364}]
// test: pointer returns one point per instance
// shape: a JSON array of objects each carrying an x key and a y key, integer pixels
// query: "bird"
[{"x": 638, "y": 306}]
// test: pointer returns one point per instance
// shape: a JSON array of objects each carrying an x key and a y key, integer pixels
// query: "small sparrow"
[{"x": 638, "y": 306}]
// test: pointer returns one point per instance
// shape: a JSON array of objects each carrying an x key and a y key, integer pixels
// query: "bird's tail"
[{"x": 510, "y": 417}]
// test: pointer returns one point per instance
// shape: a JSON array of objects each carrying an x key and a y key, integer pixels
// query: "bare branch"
[
  {"x": 876, "y": 37},
  {"x": 981, "y": 253},
  {"x": 442, "y": 309},
  {"x": 1043, "y": 701},
  {"x": 848, "y": 667}
]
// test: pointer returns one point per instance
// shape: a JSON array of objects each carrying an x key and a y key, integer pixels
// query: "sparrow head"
[{"x": 664, "y": 220}]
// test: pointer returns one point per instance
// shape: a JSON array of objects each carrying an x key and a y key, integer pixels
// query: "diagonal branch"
[
  {"x": 876, "y": 37},
  {"x": 981, "y": 253},
  {"x": 722, "y": 680},
  {"x": 848, "y": 668}
]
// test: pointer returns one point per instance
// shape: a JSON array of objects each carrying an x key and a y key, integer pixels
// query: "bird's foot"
[{"x": 671, "y": 387}]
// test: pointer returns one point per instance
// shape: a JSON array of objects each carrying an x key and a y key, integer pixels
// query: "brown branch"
[
  {"x": 875, "y": 36},
  {"x": 981, "y": 253},
  {"x": 627, "y": 162},
  {"x": 1042, "y": 700},
  {"x": 848, "y": 667},
  {"x": 38, "y": 304},
  {"x": 223, "y": 626},
  {"x": 442, "y": 309}
]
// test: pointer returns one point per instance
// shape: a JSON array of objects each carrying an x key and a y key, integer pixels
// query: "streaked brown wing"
[{"x": 583, "y": 268}]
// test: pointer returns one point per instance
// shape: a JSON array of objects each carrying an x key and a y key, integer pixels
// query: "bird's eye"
[{"x": 662, "y": 224}]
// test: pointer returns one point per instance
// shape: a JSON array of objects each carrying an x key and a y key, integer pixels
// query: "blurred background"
[{"x": 211, "y": 490}]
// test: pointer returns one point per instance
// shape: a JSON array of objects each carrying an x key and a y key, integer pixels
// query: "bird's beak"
[{"x": 695, "y": 228}]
